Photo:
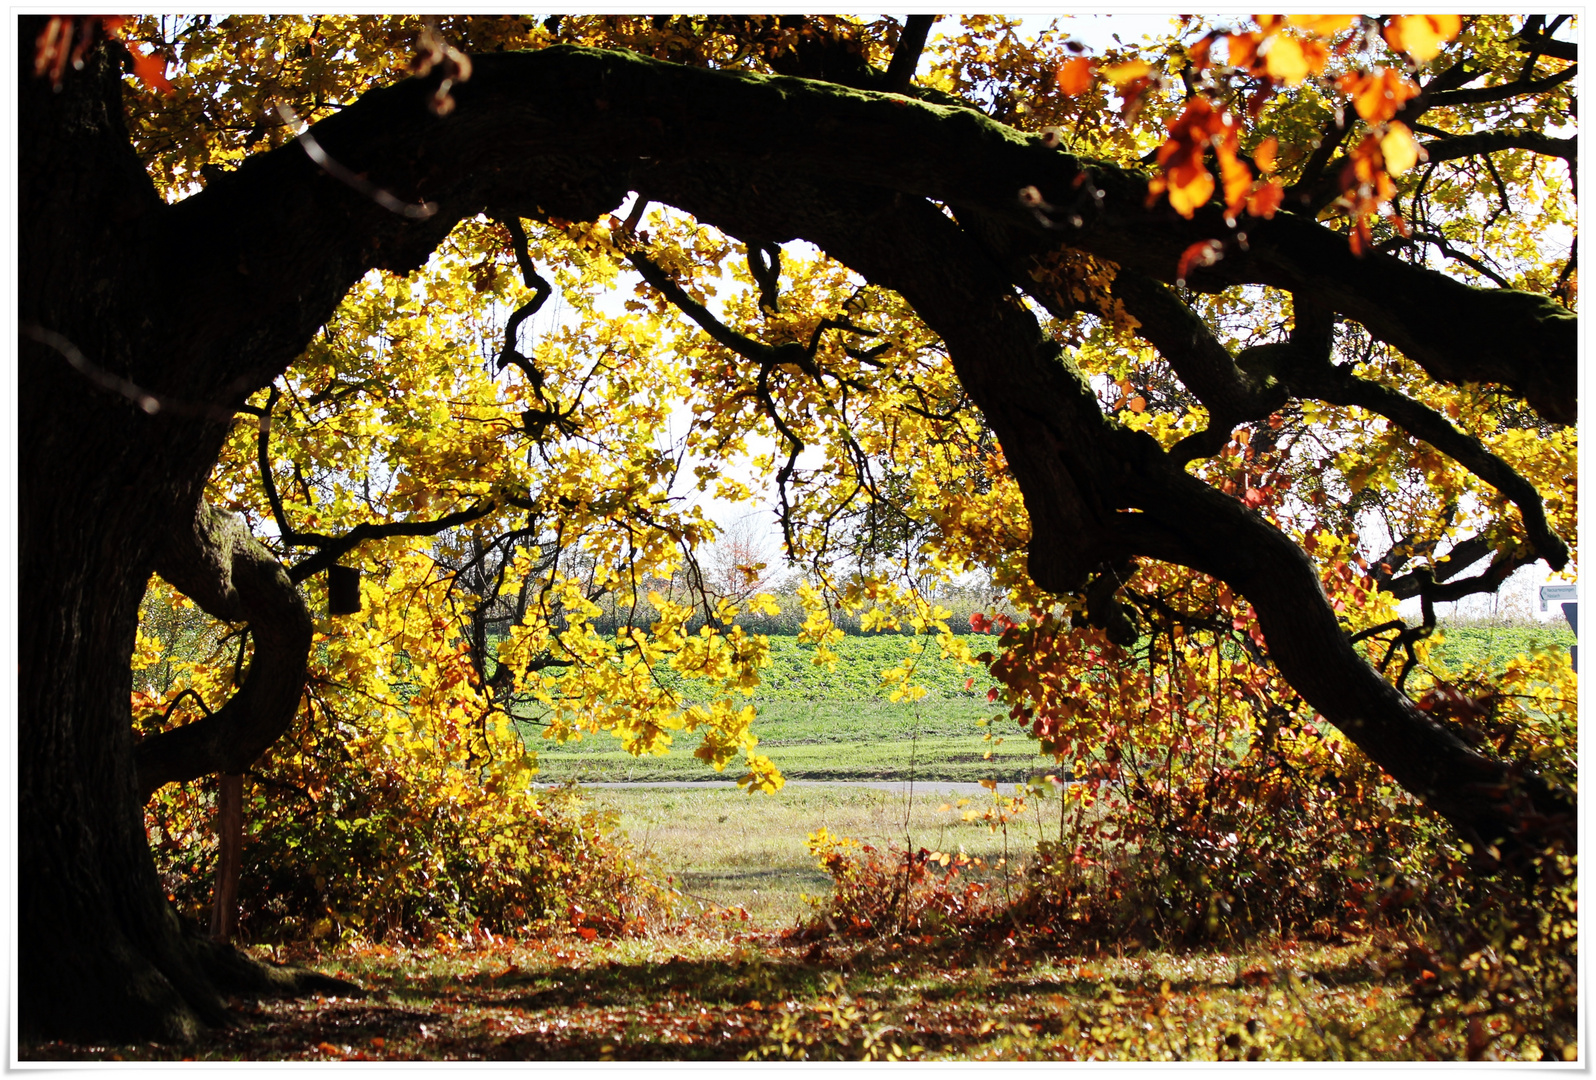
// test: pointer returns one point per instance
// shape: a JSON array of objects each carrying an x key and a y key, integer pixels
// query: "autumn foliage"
[{"x": 515, "y": 428}]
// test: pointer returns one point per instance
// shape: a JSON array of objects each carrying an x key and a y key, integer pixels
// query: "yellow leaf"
[
  {"x": 1323, "y": 25},
  {"x": 1421, "y": 36},
  {"x": 1120, "y": 74},
  {"x": 1291, "y": 60},
  {"x": 1399, "y": 148}
]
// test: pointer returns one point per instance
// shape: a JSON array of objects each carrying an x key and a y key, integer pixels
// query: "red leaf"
[
  {"x": 1266, "y": 200},
  {"x": 149, "y": 70},
  {"x": 1361, "y": 239}
]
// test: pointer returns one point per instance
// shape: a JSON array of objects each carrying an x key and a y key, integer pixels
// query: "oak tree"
[{"x": 1152, "y": 335}]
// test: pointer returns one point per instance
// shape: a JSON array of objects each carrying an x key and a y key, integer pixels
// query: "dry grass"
[{"x": 729, "y": 849}]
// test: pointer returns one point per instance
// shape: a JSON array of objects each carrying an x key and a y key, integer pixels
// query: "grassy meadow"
[
  {"x": 830, "y": 729},
  {"x": 818, "y": 724},
  {"x": 723, "y": 848},
  {"x": 841, "y": 725}
]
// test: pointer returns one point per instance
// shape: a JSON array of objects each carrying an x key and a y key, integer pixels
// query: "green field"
[
  {"x": 1477, "y": 643},
  {"x": 725, "y": 848},
  {"x": 839, "y": 725}
]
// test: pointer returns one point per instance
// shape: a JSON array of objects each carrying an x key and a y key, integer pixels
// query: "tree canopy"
[{"x": 1233, "y": 340}]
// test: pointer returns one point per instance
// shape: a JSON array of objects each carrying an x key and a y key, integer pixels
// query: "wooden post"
[{"x": 230, "y": 831}]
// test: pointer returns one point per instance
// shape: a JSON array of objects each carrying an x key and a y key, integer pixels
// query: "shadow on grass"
[{"x": 737, "y": 995}]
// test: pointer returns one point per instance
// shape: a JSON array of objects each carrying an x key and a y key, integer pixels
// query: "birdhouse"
[{"x": 343, "y": 590}]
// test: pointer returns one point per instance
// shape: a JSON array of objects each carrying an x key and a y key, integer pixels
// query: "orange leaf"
[
  {"x": 1243, "y": 51},
  {"x": 1323, "y": 25},
  {"x": 1378, "y": 95},
  {"x": 1137, "y": 404},
  {"x": 1364, "y": 163},
  {"x": 1421, "y": 36},
  {"x": 1235, "y": 175},
  {"x": 149, "y": 70},
  {"x": 1185, "y": 176},
  {"x": 1199, "y": 54},
  {"x": 1075, "y": 76},
  {"x": 1361, "y": 239},
  {"x": 1190, "y": 186},
  {"x": 1266, "y": 200},
  {"x": 1133, "y": 93},
  {"x": 1264, "y": 155}
]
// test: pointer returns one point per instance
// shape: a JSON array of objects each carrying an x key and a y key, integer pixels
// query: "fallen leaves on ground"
[{"x": 747, "y": 995}]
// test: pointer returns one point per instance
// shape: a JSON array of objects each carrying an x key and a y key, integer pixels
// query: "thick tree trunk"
[
  {"x": 99, "y": 948},
  {"x": 101, "y": 954}
]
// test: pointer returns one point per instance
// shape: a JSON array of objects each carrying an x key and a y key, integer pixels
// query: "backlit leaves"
[
  {"x": 1282, "y": 52},
  {"x": 1421, "y": 36}
]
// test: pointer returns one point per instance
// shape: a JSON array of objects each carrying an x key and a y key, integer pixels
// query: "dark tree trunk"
[{"x": 101, "y": 953}]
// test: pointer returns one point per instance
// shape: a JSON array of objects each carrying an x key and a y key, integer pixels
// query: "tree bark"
[{"x": 100, "y": 952}]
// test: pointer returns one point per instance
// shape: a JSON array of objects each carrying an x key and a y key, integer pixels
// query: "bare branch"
[{"x": 334, "y": 548}]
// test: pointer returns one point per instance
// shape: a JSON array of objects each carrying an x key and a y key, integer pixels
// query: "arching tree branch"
[
  {"x": 232, "y": 577},
  {"x": 527, "y": 133}
]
